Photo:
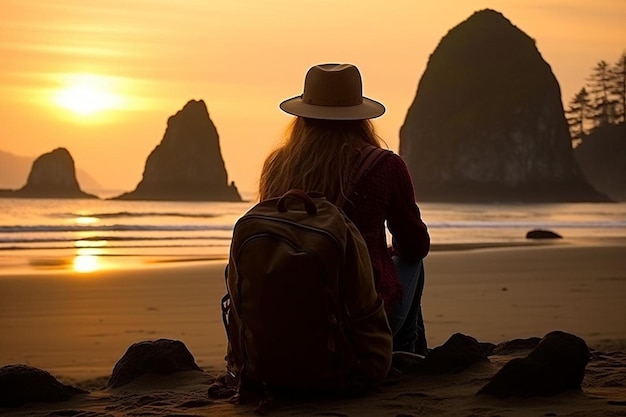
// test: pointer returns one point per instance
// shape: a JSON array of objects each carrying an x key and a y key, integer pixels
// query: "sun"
[{"x": 88, "y": 94}]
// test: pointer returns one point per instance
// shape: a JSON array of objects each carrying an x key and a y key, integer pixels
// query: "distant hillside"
[{"x": 14, "y": 171}]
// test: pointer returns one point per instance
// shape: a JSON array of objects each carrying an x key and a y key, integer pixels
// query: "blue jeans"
[{"x": 406, "y": 320}]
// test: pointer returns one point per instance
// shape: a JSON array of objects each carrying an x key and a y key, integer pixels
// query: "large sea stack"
[
  {"x": 53, "y": 175},
  {"x": 187, "y": 165},
  {"x": 487, "y": 123}
]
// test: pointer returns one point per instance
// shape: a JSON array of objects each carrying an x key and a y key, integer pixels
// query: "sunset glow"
[
  {"x": 100, "y": 76},
  {"x": 87, "y": 95}
]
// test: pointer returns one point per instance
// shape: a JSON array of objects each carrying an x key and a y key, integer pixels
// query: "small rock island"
[{"x": 53, "y": 175}]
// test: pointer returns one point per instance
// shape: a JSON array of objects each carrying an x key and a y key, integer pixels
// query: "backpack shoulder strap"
[{"x": 370, "y": 155}]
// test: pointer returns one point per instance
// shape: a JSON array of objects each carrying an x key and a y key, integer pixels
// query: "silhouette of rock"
[
  {"x": 487, "y": 122},
  {"x": 52, "y": 176},
  {"x": 486, "y": 348},
  {"x": 160, "y": 357},
  {"x": 187, "y": 165},
  {"x": 602, "y": 158},
  {"x": 458, "y": 353},
  {"x": 23, "y": 384},
  {"x": 14, "y": 171},
  {"x": 556, "y": 365},
  {"x": 542, "y": 234}
]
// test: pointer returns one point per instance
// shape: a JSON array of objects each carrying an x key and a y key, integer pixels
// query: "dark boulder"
[
  {"x": 458, "y": 353},
  {"x": 52, "y": 175},
  {"x": 23, "y": 384},
  {"x": 556, "y": 365},
  {"x": 187, "y": 165},
  {"x": 486, "y": 348},
  {"x": 487, "y": 122},
  {"x": 159, "y": 357},
  {"x": 542, "y": 234}
]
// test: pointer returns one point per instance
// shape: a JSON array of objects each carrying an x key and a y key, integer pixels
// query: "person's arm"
[{"x": 410, "y": 238}]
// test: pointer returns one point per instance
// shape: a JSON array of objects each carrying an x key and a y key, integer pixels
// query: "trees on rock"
[{"x": 601, "y": 102}]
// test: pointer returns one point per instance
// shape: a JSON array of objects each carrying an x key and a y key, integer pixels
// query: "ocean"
[{"x": 38, "y": 235}]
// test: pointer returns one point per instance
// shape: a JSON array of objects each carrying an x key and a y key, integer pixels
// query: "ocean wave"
[
  {"x": 184, "y": 228},
  {"x": 26, "y": 240},
  {"x": 130, "y": 214},
  {"x": 112, "y": 228},
  {"x": 543, "y": 224},
  {"x": 108, "y": 247}
]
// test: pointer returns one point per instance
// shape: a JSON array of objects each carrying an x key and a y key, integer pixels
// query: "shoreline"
[{"x": 67, "y": 264}]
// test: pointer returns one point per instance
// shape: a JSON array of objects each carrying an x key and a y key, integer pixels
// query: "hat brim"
[{"x": 369, "y": 109}]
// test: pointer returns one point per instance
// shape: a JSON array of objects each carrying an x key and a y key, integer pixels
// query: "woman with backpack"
[{"x": 319, "y": 154}]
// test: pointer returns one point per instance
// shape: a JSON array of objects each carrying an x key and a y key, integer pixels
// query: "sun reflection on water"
[
  {"x": 84, "y": 220},
  {"x": 89, "y": 249},
  {"x": 87, "y": 260}
]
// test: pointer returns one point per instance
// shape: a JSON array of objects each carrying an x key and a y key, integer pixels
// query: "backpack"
[{"x": 301, "y": 311}]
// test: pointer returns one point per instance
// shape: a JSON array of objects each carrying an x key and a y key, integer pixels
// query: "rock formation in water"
[
  {"x": 53, "y": 175},
  {"x": 487, "y": 123},
  {"x": 14, "y": 170},
  {"x": 187, "y": 165},
  {"x": 602, "y": 158}
]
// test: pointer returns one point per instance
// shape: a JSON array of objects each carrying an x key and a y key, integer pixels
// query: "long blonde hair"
[{"x": 317, "y": 155}]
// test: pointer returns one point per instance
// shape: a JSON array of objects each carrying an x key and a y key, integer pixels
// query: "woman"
[{"x": 319, "y": 154}]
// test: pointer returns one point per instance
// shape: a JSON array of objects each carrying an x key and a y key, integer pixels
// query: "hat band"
[{"x": 331, "y": 101}]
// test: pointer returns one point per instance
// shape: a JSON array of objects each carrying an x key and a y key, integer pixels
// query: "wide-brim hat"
[{"x": 333, "y": 92}]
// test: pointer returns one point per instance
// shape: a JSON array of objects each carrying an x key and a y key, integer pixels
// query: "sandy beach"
[{"x": 77, "y": 326}]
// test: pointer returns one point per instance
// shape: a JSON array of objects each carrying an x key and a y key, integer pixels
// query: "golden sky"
[{"x": 101, "y": 77}]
